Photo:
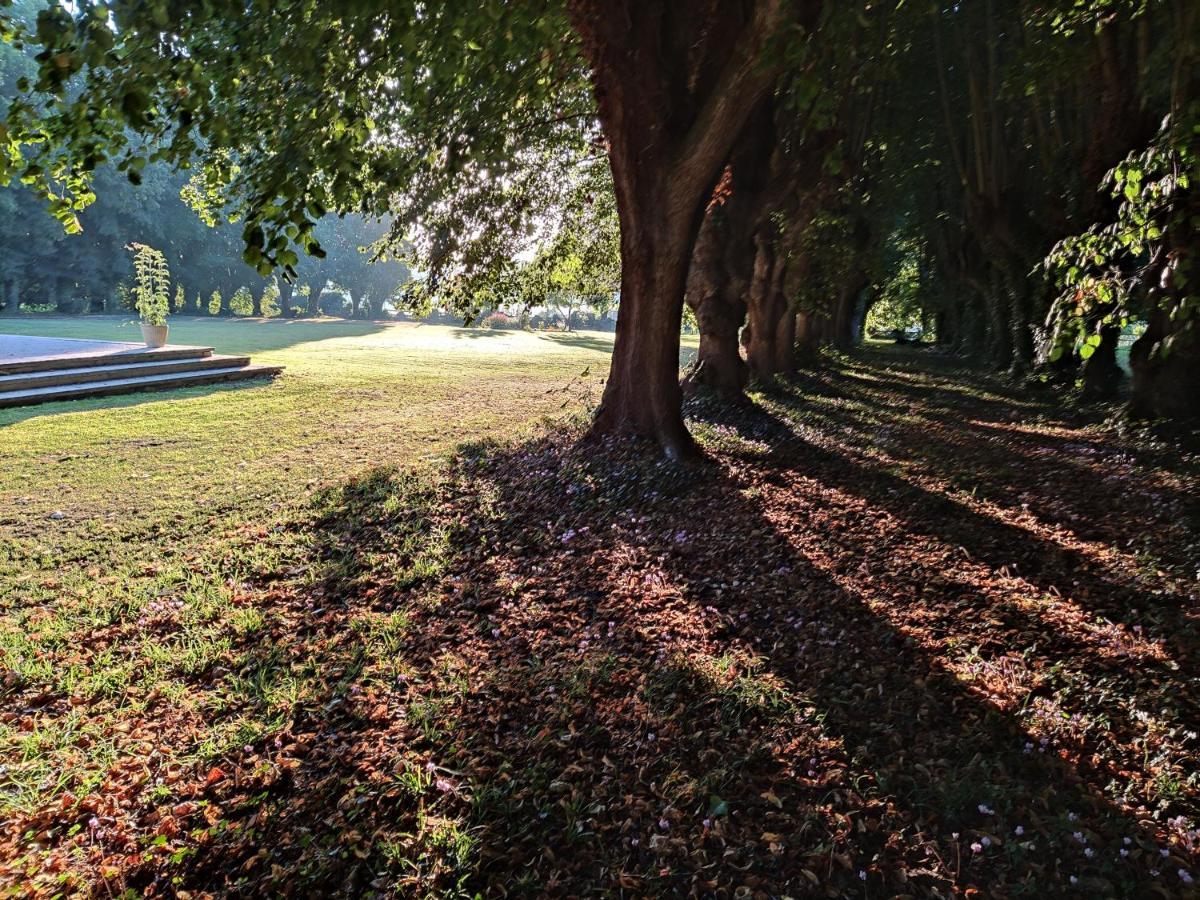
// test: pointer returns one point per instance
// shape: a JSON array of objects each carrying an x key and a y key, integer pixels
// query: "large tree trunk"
[
  {"x": 10, "y": 297},
  {"x": 1021, "y": 336},
  {"x": 723, "y": 259},
  {"x": 945, "y": 326},
  {"x": 1166, "y": 384},
  {"x": 1101, "y": 374},
  {"x": 999, "y": 332},
  {"x": 846, "y": 320},
  {"x": 643, "y": 396},
  {"x": 719, "y": 365},
  {"x": 227, "y": 292},
  {"x": 675, "y": 81},
  {"x": 973, "y": 328},
  {"x": 810, "y": 330},
  {"x": 285, "y": 299},
  {"x": 713, "y": 297},
  {"x": 314, "y": 298},
  {"x": 766, "y": 310}
]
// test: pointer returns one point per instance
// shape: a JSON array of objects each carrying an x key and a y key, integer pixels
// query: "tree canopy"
[{"x": 779, "y": 164}]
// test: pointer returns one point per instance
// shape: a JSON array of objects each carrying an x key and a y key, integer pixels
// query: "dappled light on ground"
[{"x": 925, "y": 658}]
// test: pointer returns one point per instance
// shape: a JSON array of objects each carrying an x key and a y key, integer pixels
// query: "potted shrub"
[{"x": 151, "y": 293}]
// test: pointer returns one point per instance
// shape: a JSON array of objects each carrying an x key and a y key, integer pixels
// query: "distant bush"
[
  {"x": 270, "y": 300},
  {"x": 242, "y": 302},
  {"x": 500, "y": 320}
]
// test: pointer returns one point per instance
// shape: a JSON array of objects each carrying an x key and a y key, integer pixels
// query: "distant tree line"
[
  {"x": 1020, "y": 176},
  {"x": 44, "y": 268}
]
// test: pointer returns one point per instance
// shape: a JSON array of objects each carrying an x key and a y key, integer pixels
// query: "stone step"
[
  {"x": 101, "y": 357},
  {"x": 74, "y": 375},
  {"x": 135, "y": 384}
]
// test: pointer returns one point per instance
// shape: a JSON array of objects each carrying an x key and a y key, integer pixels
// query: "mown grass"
[
  {"x": 171, "y": 502},
  {"x": 368, "y": 676}
]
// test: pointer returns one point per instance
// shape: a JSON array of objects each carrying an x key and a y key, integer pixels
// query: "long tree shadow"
[
  {"x": 616, "y": 676},
  {"x": 1012, "y": 579},
  {"x": 1060, "y": 478}
]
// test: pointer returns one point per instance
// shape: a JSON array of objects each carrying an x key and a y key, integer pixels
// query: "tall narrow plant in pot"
[{"x": 151, "y": 293}]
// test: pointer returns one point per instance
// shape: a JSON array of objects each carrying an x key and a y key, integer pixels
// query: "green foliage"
[
  {"x": 903, "y": 294},
  {"x": 241, "y": 303},
  {"x": 501, "y": 321},
  {"x": 578, "y": 262},
  {"x": 1144, "y": 259},
  {"x": 152, "y": 284},
  {"x": 295, "y": 109},
  {"x": 270, "y": 302}
]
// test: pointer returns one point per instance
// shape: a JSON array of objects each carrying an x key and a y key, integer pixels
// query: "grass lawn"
[
  {"x": 367, "y": 631},
  {"x": 158, "y": 492},
  {"x": 353, "y": 393}
]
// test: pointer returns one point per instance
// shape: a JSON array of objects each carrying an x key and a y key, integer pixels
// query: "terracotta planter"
[{"x": 154, "y": 335}]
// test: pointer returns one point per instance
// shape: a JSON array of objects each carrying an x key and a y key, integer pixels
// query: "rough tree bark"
[
  {"x": 999, "y": 332},
  {"x": 314, "y": 298},
  {"x": 10, "y": 297},
  {"x": 1166, "y": 385},
  {"x": 1020, "y": 318},
  {"x": 675, "y": 81},
  {"x": 227, "y": 292},
  {"x": 723, "y": 260},
  {"x": 846, "y": 321},
  {"x": 765, "y": 308},
  {"x": 285, "y": 299},
  {"x": 1101, "y": 374},
  {"x": 714, "y": 295}
]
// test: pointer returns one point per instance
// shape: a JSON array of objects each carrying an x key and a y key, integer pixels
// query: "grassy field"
[
  {"x": 908, "y": 631},
  {"x": 110, "y": 506},
  {"x": 353, "y": 393}
]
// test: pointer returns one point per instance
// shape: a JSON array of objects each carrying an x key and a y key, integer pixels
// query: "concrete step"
[
  {"x": 135, "y": 384},
  {"x": 73, "y": 375},
  {"x": 102, "y": 358}
]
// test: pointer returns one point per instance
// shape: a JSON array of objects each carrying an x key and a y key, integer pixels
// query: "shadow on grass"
[
  {"x": 18, "y": 414},
  {"x": 583, "y": 341},
  {"x": 572, "y": 669},
  {"x": 987, "y": 448},
  {"x": 481, "y": 333}
]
